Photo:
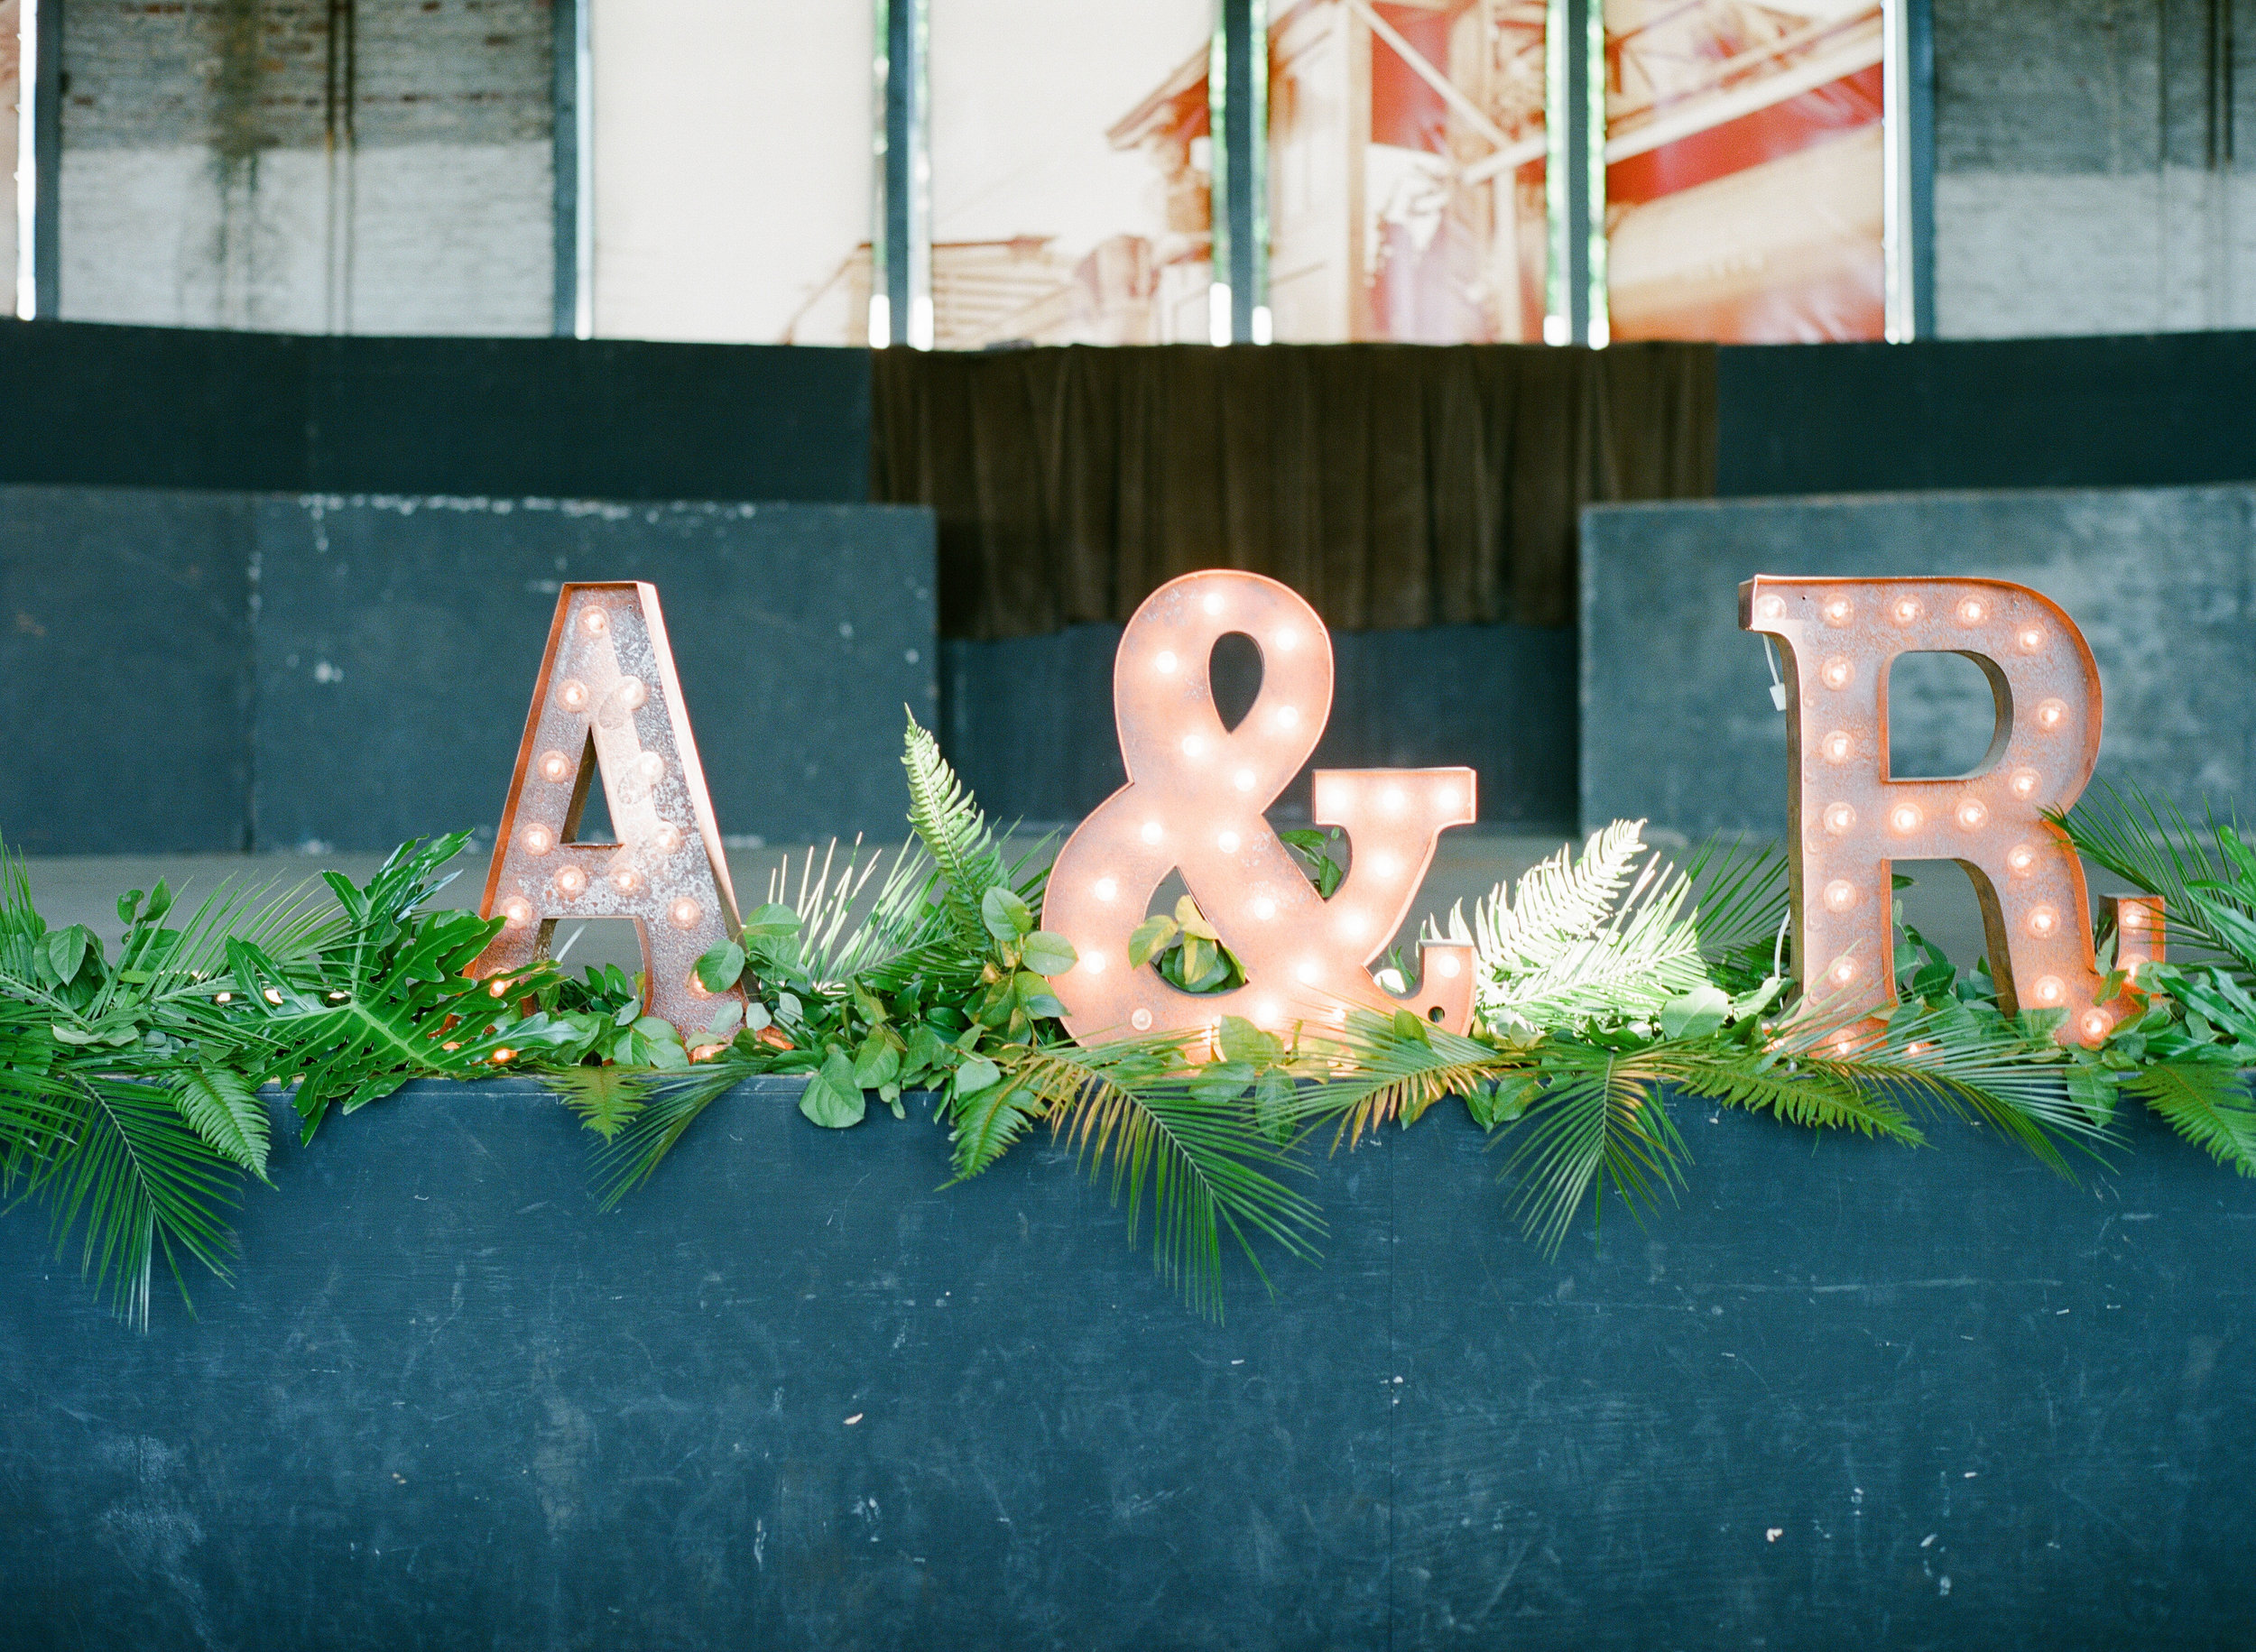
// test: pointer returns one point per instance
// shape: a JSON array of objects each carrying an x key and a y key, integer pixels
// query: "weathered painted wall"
[
  {"x": 377, "y": 167},
  {"x": 2096, "y": 166}
]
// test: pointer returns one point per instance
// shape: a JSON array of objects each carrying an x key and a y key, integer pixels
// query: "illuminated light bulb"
[
  {"x": 2051, "y": 714},
  {"x": 1263, "y": 907},
  {"x": 1309, "y": 972},
  {"x": 2042, "y": 921},
  {"x": 632, "y": 694},
  {"x": 1269, "y": 1011},
  {"x": 1839, "y": 818},
  {"x": 537, "y": 839},
  {"x": 1355, "y": 925},
  {"x": 685, "y": 913},
  {"x": 1839, "y": 611},
  {"x": 224, "y": 997},
  {"x": 594, "y": 622},
  {"x": 1843, "y": 971},
  {"x": 1972, "y": 813},
  {"x": 1837, "y": 673},
  {"x": 1140, "y": 1020},
  {"x": 706, "y": 1052},
  {"x": 2134, "y": 918},
  {"x": 698, "y": 989},
  {"x": 1242, "y": 779},
  {"x": 1393, "y": 800},
  {"x": 2021, "y": 860},
  {"x": 1769, "y": 608},
  {"x": 1194, "y": 745},
  {"x": 1446, "y": 795},
  {"x": 2047, "y": 990},
  {"x": 518, "y": 911},
  {"x": 1164, "y": 663},
  {"x": 1904, "y": 817},
  {"x": 503, "y": 1055},
  {"x": 1837, "y": 746},
  {"x": 1386, "y": 865},
  {"x": 1840, "y": 895},
  {"x": 667, "y": 839},
  {"x": 272, "y": 996},
  {"x": 2028, "y": 639},
  {"x": 2094, "y": 1023},
  {"x": 1904, "y": 610},
  {"x": 1153, "y": 832},
  {"x": 1104, "y": 889},
  {"x": 572, "y": 879},
  {"x": 1446, "y": 964},
  {"x": 1214, "y": 602},
  {"x": 648, "y": 766},
  {"x": 2024, "y": 782},
  {"x": 500, "y": 989},
  {"x": 1093, "y": 962},
  {"x": 626, "y": 880},
  {"x": 1287, "y": 716},
  {"x": 1918, "y": 1047},
  {"x": 1227, "y": 843},
  {"x": 1973, "y": 611},
  {"x": 555, "y": 766},
  {"x": 571, "y": 693},
  {"x": 1285, "y": 639}
]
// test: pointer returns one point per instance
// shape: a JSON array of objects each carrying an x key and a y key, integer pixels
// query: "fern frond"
[
  {"x": 222, "y": 1107},
  {"x": 954, "y": 833},
  {"x": 1557, "y": 902},
  {"x": 2207, "y": 1103},
  {"x": 604, "y": 1099}
]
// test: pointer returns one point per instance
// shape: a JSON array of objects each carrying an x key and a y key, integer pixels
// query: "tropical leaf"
[
  {"x": 2207, "y": 1103},
  {"x": 605, "y": 1098},
  {"x": 1599, "y": 1123},
  {"x": 628, "y": 1160},
  {"x": 222, "y": 1107},
  {"x": 954, "y": 833},
  {"x": 2155, "y": 848}
]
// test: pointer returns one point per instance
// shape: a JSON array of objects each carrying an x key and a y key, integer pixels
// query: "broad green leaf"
[
  {"x": 832, "y": 1099},
  {"x": 1193, "y": 920},
  {"x": 719, "y": 969},
  {"x": 1695, "y": 1014},
  {"x": 770, "y": 921},
  {"x": 1148, "y": 938},
  {"x": 878, "y": 1062},
  {"x": 1049, "y": 953},
  {"x": 977, "y": 1075},
  {"x": 1243, "y": 1041},
  {"x": 1006, "y": 916}
]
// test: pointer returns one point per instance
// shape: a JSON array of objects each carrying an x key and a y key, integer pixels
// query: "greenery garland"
[{"x": 129, "y": 1088}]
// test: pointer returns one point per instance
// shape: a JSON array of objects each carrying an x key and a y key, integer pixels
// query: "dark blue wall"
[{"x": 792, "y": 1396}]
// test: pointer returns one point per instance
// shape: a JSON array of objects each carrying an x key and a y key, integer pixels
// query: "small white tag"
[{"x": 1778, "y": 695}]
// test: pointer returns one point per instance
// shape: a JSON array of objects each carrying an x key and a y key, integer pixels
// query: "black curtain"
[{"x": 1394, "y": 485}]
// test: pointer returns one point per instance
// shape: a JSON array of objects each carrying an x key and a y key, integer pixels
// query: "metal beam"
[{"x": 900, "y": 233}]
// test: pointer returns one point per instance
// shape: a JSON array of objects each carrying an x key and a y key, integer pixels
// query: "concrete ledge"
[{"x": 792, "y": 1395}]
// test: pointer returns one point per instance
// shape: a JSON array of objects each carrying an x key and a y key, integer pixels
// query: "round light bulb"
[
  {"x": 537, "y": 839},
  {"x": 1839, "y": 611},
  {"x": 2024, "y": 782},
  {"x": 1140, "y": 1020},
  {"x": 1287, "y": 716},
  {"x": 1446, "y": 795},
  {"x": 685, "y": 913},
  {"x": 572, "y": 879},
  {"x": 649, "y": 767},
  {"x": 1309, "y": 972},
  {"x": 667, "y": 838},
  {"x": 1164, "y": 663},
  {"x": 2042, "y": 921},
  {"x": 1973, "y": 611},
  {"x": 1263, "y": 907},
  {"x": 555, "y": 766},
  {"x": 1214, "y": 602},
  {"x": 1843, "y": 971},
  {"x": 1447, "y": 964},
  {"x": 2095, "y": 1024},
  {"x": 1837, "y": 673},
  {"x": 1840, "y": 895},
  {"x": 594, "y": 622},
  {"x": 632, "y": 694},
  {"x": 1839, "y": 818},
  {"x": 2051, "y": 714},
  {"x": 2028, "y": 639},
  {"x": 2048, "y": 989},
  {"x": 1193, "y": 745},
  {"x": 1837, "y": 746},
  {"x": 1769, "y": 608},
  {"x": 626, "y": 880},
  {"x": 1904, "y": 817},
  {"x": 1972, "y": 813},
  {"x": 1393, "y": 800},
  {"x": 1153, "y": 832},
  {"x": 518, "y": 911},
  {"x": 1104, "y": 889},
  {"x": 1227, "y": 843},
  {"x": 1386, "y": 865},
  {"x": 1355, "y": 925},
  {"x": 1093, "y": 962},
  {"x": 1285, "y": 639},
  {"x": 2021, "y": 860},
  {"x": 571, "y": 693},
  {"x": 1242, "y": 779},
  {"x": 1904, "y": 610},
  {"x": 2134, "y": 918}
]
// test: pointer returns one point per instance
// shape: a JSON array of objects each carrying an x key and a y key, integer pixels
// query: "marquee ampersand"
[
  {"x": 1851, "y": 821},
  {"x": 608, "y": 702},
  {"x": 1194, "y": 803}
]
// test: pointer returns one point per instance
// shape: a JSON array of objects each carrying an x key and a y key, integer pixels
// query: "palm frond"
[
  {"x": 628, "y": 1159},
  {"x": 2207, "y": 1103},
  {"x": 1203, "y": 1160},
  {"x": 840, "y": 938},
  {"x": 1599, "y": 1123},
  {"x": 2153, "y": 847},
  {"x": 1386, "y": 1075},
  {"x": 1739, "y": 894}
]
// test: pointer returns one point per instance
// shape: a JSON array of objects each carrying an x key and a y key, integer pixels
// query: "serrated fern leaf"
[
  {"x": 987, "y": 1124},
  {"x": 604, "y": 1099},
  {"x": 954, "y": 832},
  {"x": 222, "y": 1107},
  {"x": 2207, "y": 1103}
]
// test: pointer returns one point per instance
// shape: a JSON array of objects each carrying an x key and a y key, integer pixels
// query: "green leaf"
[
  {"x": 927, "y": 1053},
  {"x": 1048, "y": 953},
  {"x": 1148, "y": 938},
  {"x": 832, "y": 1099},
  {"x": 1034, "y": 996},
  {"x": 977, "y": 1075},
  {"x": 1006, "y": 916},
  {"x": 771, "y": 922},
  {"x": 721, "y": 968},
  {"x": 1694, "y": 1014},
  {"x": 66, "y": 950},
  {"x": 604, "y": 1099},
  {"x": 1243, "y": 1041},
  {"x": 222, "y": 1107},
  {"x": 878, "y": 1062},
  {"x": 987, "y": 1124},
  {"x": 1194, "y": 922}
]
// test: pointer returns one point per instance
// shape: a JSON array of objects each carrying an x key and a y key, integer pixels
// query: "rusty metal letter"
[
  {"x": 1194, "y": 803},
  {"x": 608, "y": 701},
  {"x": 1850, "y": 821}
]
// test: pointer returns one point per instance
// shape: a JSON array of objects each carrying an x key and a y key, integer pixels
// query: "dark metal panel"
[
  {"x": 124, "y": 670},
  {"x": 398, "y": 639}
]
